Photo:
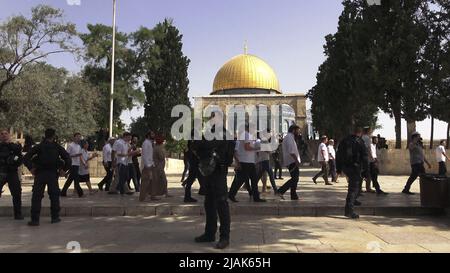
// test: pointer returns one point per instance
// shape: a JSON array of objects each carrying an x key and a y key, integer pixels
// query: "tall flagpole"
[{"x": 113, "y": 58}]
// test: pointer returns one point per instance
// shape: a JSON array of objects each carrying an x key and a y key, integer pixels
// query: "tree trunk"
[
  {"x": 398, "y": 127},
  {"x": 432, "y": 133},
  {"x": 411, "y": 128}
]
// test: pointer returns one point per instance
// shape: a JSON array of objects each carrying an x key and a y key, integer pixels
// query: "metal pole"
[{"x": 113, "y": 58}]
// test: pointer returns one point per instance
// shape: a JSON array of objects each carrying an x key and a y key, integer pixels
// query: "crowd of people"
[{"x": 206, "y": 161}]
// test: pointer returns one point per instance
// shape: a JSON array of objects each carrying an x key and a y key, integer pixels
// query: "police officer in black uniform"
[
  {"x": 215, "y": 157},
  {"x": 10, "y": 160},
  {"x": 352, "y": 160},
  {"x": 46, "y": 161}
]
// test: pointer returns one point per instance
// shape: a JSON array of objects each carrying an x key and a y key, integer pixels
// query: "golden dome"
[{"x": 246, "y": 72}]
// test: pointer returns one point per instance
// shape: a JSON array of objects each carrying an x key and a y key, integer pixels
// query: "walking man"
[
  {"x": 332, "y": 161},
  {"x": 46, "y": 162},
  {"x": 373, "y": 166},
  {"x": 417, "y": 160},
  {"x": 107, "y": 164},
  {"x": 442, "y": 157},
  {"x": 323, "y": 158},
  {"x": 291, "y": 160},
  {"x": 74, "y": 150},
  {"x": 353, "y": 161}
]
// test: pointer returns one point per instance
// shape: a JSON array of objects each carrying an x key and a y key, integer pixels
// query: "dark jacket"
[
  {"x": 352, "y": 153},
  {"x": 48, "y": 156},
  {"x": 10, "y": 156}
]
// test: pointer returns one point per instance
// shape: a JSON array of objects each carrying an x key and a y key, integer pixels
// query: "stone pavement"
[
  {"x": 263, "y": 234},
  {"x": 315, "y": 200}
]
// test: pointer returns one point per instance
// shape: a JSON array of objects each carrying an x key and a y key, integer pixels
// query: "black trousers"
[
  {"x": 442, "y": 169},
  {"x": 292, "y": 183},
  {"x": 278, "y": 168},
  {"x": 42, "y": 179},
  {"x": 194, "y": 174},
  {"x": 354, "y": 187},
  {"x": 374, "y": 171},
  {"x": 73, "y": 177},
  {"x": 12, "y": 178},
  {"x": 216, "y": 204},
  {"x": 185, "y": 171},
  {"x": 246, "y": 173},
  {"x": 133, "y": 176},
  {"x": 124, "y": 172},
  {"x": 323, "y": 172},
  {"x": 416, "y": 170},
  {"x": 107, "y": 180},
  {"x": 332, "y": 172}
]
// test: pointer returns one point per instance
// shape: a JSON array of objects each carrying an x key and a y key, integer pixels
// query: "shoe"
[
  {"x": 294, "y": 197},
  {"x": 408, "y": 192},
  {"x": 315, "y": 181},
  {"x": 100, "y": 187},
  {"x": 281, "y": 195},
  {"x": 129, "y": 193},
  {"x": 222, "y": 244},
  {"x": 113, "y": 193},
  {"x": 260, "y": 200},
  {"x": 268, "y": 188},
  {"x": 33, "y": 224},
  {"x": 19, "y": 217},
  {"x": 233, "y": 199},
  {"x": 190, "y": 200},
  {"x": 370, "y": 191},
  {"x": 357, "y": 203},
  {"x": 380, "y": 192},
  {"x": 204, "y": 239},
  {"x": 352, "y": 215},
  {"x": 56, "y": 221},
  {"x": 329, "y": 184}
]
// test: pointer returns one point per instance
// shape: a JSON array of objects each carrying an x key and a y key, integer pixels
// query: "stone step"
[{"x": 261, "y": 210}]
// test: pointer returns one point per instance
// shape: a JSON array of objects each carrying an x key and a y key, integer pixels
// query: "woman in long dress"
[{"x": 159, "y": 156}]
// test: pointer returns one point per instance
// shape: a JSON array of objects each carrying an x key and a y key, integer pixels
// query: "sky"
[{"x": 288, "y": 35}]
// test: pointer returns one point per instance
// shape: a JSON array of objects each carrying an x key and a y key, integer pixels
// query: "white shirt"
[
  {"x": 289, "y": 147},
  {"x": 147, "y": 154},
  {"x": 84, "y": 170},
  {"x": 121, "y": 147},
  {"x": 440, "y": 154},
  {"x": 331, "y": 152},
  {"x": 107, "y": 150},
  {"x": 74, "y": 149},
  {"x": 243, "y": 155},
  {"x": 322, "y": 155},
  {"x": 373, "y": 152}
]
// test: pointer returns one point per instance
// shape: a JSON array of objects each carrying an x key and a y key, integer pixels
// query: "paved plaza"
[
  {"x": 249, "y": 234},
  {"x": 105, "y": 223}
]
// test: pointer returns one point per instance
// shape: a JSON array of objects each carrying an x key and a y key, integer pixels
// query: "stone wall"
[{"x": 396, "y": 162}]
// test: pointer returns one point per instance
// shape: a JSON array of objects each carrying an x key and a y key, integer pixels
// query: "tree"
[
  {"x": 399, "y": 39},
  {"x": 167, "y": 77},
  {"x": 345, "y": 95},
  {"x": 25, "y": 41},
  {"x": 45, "y": 96},
  {"x": 131, "y": 50}
]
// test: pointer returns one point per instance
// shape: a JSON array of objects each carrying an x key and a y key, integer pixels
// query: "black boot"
[
  {"x": 223, "y": 243},
  {"x": 205, "y": 239}
]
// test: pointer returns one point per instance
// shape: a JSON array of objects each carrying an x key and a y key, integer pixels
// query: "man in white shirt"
[
  {"x": 246, "y": 163},
  {"x": 373, "y": 166},
  {"x": 107, "y": 164},
  {"x": 366, "y": 137},
  {"x": 121, "y": 153},
  {"x": 332, "y": 160},
  {"x": 291, "y": 160},
  {"x": 442, "y": 157},
  {"x": 74, "y": 150},
  {"x": 147, "y": 167},
  {"x": 323, "y": 158}
]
